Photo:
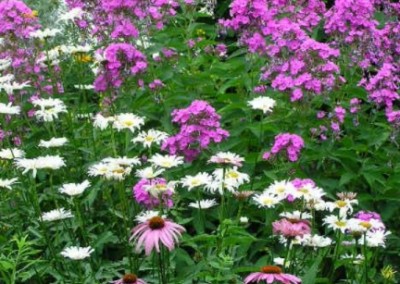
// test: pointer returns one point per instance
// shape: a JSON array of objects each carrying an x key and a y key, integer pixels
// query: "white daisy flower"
[
  {"x": 296, "y": 215},
  {"x": 49, "y": 109},
  {"x": 6, "y": 79},
  {"x": 11, "y": 153},
  {"x": 203, "y": 204},
  {"x": 345, "y": 206},
  {"x": 46, "y": 162},
  {"x": 149, "y": 172},
  {"x": 227, "y": 158},
  {"x": 336, "y": 223},
  {"x": 5, "y": 63},
  {"x": 10, "y": 87},
  {"x": 101, "y": 121},
  {"x": 77, "y": 253},
  {"x": 194, "y": 181},
  {"x": 282, "y": 189},
  {"x": 266, "y": 199},
  {"x": 157, "y": 189},
  {"x": 73, "y": 189},
  {"x": 356, "y": 259},
  {"x": 114, "y": 168},
  {"x": 375, "y": 238},
  {"x": 147, "y": 215},
  {"x": 265, "y": 104},
  {"x": 53, "y": 142},
  {"x": 166, "y": 161},
  {"x": 128, "y": 121},
  {"x": 46, "y": 33},
  {"x": 71, "y": 15},
  {"x": 56, "y": 214},
  {"x": 7, "y": 183},
  {"x": 232, "y": 178},
  {"x": 9, "y": 109},
  {"x": 150, "y": 137},
  {"x": 122, "y": 161},
  {"x": 315, "y": 241}
]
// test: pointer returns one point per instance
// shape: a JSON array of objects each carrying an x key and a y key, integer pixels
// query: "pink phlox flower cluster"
[
  {"x": 292, "y": 143},
  {"x": 121, "y": 59},
  {"x": 16, "y": 18},
  {"x": 199, "y": 126},
  {"x": 143, "y": 197}
]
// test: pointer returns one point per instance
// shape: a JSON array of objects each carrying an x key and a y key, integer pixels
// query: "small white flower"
[
  {"x": 49, "y": 109},
  {"x": 150, "y": 137},
  {"x": 77, "y": 253},
  {"x": 46, "y": 162},
  {"x": 127, "y": 121},
  {"x": 375, "y": 238},
  {"x": 315, "y": 241},
  {"x": 42, "y": 34},
  {"x": 149, "y": 172},
  {"x": 11, "y": 153},
  {"x": 282, "y": 189},
  {"x": 227, "y": 158},
  {"x": 84, "y": 87},
  {"x": 147, "y": 215},
  {"x": 114, "y": 168},
  {"x": 265, "y": 104},
  {"x": 71, "y": 15},
  {"x": 166, "y": 161},
  {"x": 53, "y": 142},
  {"x": 194, "y": 181},
  {"x": 5, "y": 63},
  {"x": 296, "y": 215},
  {"x": 9, "y": 109},
  {"x": 203, "y": 204},
  {"x": 73, "y": 189},
  {"x": 335, "y": 223},
  {"x": 231, "y": 180},
  {"x": 7, "y": 183},
  {"x": 280, "y": 261},
  {"x": 345, "y": 206},
  {"x": 56, "y": 214},
  {"x": 356, "y": 259},
  {"x": 266, "y": 199},
  {"x": 244, "y": 220},
  {"x": 101, "y": 121},
  {"x": 157, "y": 189},
  {"x": 10, "y": 87}
]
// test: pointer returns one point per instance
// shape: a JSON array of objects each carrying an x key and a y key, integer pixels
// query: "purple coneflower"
[
  {"x": 291, "y": 228},
  {"x": 271, "y": 274},
  {"x": 156, "y": 229},
  {"x": 129, "y": 279}
]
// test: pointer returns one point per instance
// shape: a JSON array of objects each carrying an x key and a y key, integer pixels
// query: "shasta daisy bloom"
[
  {"x": 10, "y": 87},
  {"x": 231, "y": 178},
  {"x": 46, "y": 33},
  {"x": 53, "y": 142},
  {"x": 9, "y": 109},
  {"x": 150, "y": 137},
  {"x": 77, "y": 253},
  {"x": 203, "y": 204},
  {"x": 129, "y": 279},
  {"x": 102, "y": 122},
  {"x": 345, "y": 206},
  {"x": 315, "y": 241},
  {"x": 56, "y": 214},
  {"x": 127, "y": 121},
  {"x": 266, "y": 199},
  {"x": 296, "y": 215},
  {"x": 375, "y": 238},
  {"x": 271, "y": 274},
  {"x": 281, "y": 189},
  {"x": 266, "y": 104},
  {"x": 46, "y": 162},
  {"x": 49, "y": 109},
  {"x": 194, "y": 181},
  {"x": 7, "y": 183},
  {"x": 155, "y": 230},
  {"x": 336, "y": 223},
  {"x": 149, "y": 172},
  {"x": 227, "y": 158},
  {"x": 166, "y": 161},
  {"x": 11, "y": 153},
  {"x": 73, "y": 189}
]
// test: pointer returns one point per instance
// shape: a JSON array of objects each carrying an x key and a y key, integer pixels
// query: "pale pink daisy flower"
[
  {"x": 156, "y": 229},
  {"x": 271, "y": 274},
  {"x": 291, "y": 228},
  {"x": 129, "y": 279}
]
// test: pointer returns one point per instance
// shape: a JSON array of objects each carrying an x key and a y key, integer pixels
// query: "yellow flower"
[
  {"x": 388, "y": 273},
  {"x": 82, "y": 57}
]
